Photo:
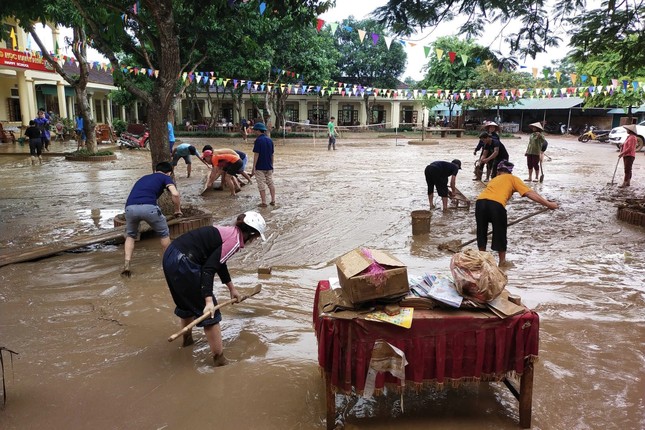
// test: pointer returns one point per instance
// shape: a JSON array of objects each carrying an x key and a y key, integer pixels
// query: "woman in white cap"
[
  {"x": 190, "y": 264},
  {"x": 628, "y": 153},
  {"x": 534, "y": 150}
]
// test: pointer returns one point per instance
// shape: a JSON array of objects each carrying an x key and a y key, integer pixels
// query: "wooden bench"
[
  {"x": 7, "y": 136},
  {"x": 444, "y": 131}
]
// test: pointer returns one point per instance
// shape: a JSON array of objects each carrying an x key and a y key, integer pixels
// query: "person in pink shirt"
[
  {"x": 628, "y": 153},
  {"x": 190, "y": 264}
]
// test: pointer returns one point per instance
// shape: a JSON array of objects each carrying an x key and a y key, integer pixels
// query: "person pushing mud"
[{"x": 190, "y": 264}]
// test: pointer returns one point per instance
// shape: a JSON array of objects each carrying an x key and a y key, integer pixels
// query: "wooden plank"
[{"x": 42, "y": 251}]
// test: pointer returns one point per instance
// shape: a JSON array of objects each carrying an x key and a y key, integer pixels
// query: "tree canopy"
[{"x": 615, "y": 26}]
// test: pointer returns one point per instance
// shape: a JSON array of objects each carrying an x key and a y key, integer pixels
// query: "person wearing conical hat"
[
  {"x": 628, "y": 153},
  {"x": 533, "y": 151}
]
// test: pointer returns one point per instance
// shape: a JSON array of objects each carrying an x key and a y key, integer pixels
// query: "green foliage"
[
  {"x": 119, "y": 126},
  {"x": 613, "y": 27},
  {"x": 369, "y": 64},
  {"x": 496, "y": 81}
]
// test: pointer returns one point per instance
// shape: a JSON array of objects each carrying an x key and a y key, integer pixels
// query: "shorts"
[
  {"x": 184, "y": 281},
  {"x": 233, "y": 168},
  {"x": 434, "y": 180},
  {"x": 176, "y": 158},
  {"x": 151, "y": 214},
  {"x": 264, "y": 179},
  {"x": 244, "y": 161}
]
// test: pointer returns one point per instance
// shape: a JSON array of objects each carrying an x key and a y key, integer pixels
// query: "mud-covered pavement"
[{"x": 93, "y": 349}]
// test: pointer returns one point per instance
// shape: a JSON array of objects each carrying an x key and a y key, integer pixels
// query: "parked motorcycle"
[
  {"x": 555, "y": 128},
  {"x": 133, "y": 141},
  {"x": 594, "y": 134}
]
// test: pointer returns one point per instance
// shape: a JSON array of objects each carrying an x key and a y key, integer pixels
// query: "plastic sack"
[{"x": 477, "y": 276}]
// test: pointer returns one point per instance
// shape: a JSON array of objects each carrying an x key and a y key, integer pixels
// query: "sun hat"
[
  {"x": 255, "y": 221},
  {"x": 537, "y": 125},
  {"x": 491, "y": 123},
  {"x": 505, "y": 166},
  {"x": 259, "y": 126},
  {"x": 630, "y": 127},
  {"x": 457, "y": 163}
]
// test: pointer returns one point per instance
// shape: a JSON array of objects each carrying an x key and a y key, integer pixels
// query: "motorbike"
[
  {"x": 555, "y": 128},
  {"x": 133, "y": 141},
  {"x": 594, "y": 134}
]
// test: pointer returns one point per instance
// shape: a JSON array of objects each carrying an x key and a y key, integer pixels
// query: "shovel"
[
  {"x": 541, "y": 172},
  {"x": 207, "y": 315},
  {"x": 456, "y": 248}
]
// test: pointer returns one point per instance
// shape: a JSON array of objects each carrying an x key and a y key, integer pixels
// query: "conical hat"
[
  {"x": 537, "y": 125},
  {"x": 630, "y": 127}
]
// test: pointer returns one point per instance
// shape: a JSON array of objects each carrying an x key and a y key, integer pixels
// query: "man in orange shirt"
[{"x": 225, "y": 162}]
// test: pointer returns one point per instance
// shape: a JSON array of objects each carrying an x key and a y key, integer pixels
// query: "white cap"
[{"x": 255, "y": 220}]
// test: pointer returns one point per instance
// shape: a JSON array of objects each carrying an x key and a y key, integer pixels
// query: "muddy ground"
[{"x": 93, "y": 349}]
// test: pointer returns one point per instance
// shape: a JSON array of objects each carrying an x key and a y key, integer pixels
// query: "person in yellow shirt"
[{"x": 491, "y": 207}]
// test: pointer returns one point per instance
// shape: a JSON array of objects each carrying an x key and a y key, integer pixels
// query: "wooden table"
[{"x": 442, "y": 346}]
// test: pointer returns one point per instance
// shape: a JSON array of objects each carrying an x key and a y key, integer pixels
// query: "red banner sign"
[{"x": 23, "y": 60}]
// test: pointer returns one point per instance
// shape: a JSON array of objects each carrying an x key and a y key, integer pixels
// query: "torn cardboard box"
[{"x": 369, "y": 274}]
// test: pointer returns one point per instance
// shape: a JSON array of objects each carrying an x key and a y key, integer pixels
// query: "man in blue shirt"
[
  {"x": 184, "y": 151},
  {"x": 263, "y": 164},
  {"x": 142, "y": 206}
]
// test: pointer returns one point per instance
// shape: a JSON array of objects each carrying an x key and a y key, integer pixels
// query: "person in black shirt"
[
  {"x": 35, "y": 142},
  {"x": 437, "y": 174}
]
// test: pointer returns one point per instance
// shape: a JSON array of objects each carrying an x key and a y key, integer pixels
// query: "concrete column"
[
  {"x": 70, "y": 107},
  {"x": 91, "y": 102},
  {"x": 109, "y": 118},
  {"x": 362, "y": 113},
  {"x": 302, "y": 110},
  {"x": 396, "y": 113},
  {"x": 333, "y": 109},
  {"x": 31, "y": 99},
  {"x": 136, "y": 112},
  {"x": 103, "y": 120},
  {"x": 122, "y": 113},
  {"x": 62, "y": 107},
  {"x": 23, "y": 94}
]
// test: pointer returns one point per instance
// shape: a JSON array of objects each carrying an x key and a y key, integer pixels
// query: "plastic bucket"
[{"x": 421, "y": 222}]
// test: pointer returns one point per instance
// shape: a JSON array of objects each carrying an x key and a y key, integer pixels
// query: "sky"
[{"x": 360, "y": 9}]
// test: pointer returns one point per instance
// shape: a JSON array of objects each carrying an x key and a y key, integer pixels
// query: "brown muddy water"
[{"x": 93, "y": 348}]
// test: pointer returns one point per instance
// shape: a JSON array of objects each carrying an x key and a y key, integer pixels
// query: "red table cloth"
[{"x": 443, "y": 345}]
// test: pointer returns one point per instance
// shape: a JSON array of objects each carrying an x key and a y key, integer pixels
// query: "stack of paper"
[{"x": 440, "y": 288}]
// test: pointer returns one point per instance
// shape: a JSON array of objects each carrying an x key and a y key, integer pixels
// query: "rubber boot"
[
  {"x": 220, "y": 360},
  {"x": 33, "y": 160}
]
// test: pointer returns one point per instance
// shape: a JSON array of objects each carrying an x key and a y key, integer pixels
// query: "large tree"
[
  {"x": 364, "y": 62},
  {"x": 452, "y": 76},
  {"x": 59, "y": 12},
  {"x": 614, "y": 26},
  {"x": 170, "y": 37}
]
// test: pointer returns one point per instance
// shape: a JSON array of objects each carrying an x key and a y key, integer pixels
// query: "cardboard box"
[{"x": 360, "y": 287}]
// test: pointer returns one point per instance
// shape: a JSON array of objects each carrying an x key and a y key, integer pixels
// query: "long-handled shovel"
[
  {"x": 616, "y": 169},
  {"x": 207, "y": 315},
  {"x": 455, "y": 248},
  {"x": 541, "y": 172}
]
